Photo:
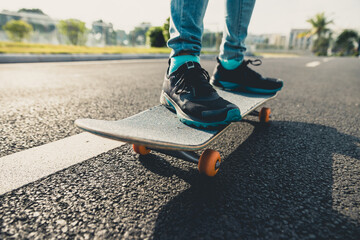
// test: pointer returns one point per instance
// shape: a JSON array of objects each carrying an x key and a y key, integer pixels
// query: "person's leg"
[
  {"x": 186, "y": 88},
  {"x": 186, "y": 29},
  {"x": 237, "y": 19},
  {"x": 232, "y": 72},
  {"x": 186, "y": 26}
]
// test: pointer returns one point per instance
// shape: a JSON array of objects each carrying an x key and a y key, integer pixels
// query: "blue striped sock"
[{"x": 177, "y": 61}]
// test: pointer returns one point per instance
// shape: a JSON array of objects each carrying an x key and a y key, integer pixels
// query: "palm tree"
[
  {"x": 319, "y": 29},
  {"x": 319, "y": 25}
]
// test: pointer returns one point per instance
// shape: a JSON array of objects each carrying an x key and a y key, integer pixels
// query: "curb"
[{"x": 33, "y": 58}]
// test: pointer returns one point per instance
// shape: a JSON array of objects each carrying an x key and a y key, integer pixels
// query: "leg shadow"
[{"x": 285, "y": 181}]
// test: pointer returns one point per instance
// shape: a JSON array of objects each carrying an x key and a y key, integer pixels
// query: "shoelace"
[
  {"x": 256, "y": 62},
  {"x": 186, "y": 81}
]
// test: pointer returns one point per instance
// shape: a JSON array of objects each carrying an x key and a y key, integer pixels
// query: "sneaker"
[
  {"x": 187, "y": 91},
  {"x": 244, "y": 78}
]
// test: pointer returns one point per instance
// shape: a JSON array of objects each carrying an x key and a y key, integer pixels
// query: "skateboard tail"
[{"x": 111, "y": 131}]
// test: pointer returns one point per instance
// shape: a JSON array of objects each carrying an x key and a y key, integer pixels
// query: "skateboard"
[{"x": 160, "y": 130}]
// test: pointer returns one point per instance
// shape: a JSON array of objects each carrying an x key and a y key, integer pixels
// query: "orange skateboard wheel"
[
  {"x": 264, "y": 115},
  {"x": 209, "y": 162},
  {"x": 142, "y": 150}
]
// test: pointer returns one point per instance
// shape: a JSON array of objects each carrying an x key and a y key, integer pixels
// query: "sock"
[
  {"x": 229, "y": 64},
  {"x": 177, "y": 61}
]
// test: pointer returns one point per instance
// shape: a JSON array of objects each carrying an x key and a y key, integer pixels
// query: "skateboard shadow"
[{"x": 285, "y": 180}]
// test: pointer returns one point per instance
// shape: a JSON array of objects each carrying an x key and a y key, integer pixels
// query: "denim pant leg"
[
  {"x": 237, "y": 19},
  {"x": 186, "y": 26}
]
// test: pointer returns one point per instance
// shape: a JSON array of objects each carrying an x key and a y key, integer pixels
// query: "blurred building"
[
  {"x": 275, "y": 40},
  {"x": 252, "y": 39},
  {"x": 265, "y": 41},
  {"x": 44, "y": 26},
  {"x": 101, "y": 34},
  {"x": 121, "y": 38},
  {"x": 300, "y": 40}
]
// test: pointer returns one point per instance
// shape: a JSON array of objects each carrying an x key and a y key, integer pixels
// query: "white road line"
[
  {"x": 30, "y": 165},
  {"x": 313, "y": 64},
  {"x": 327, "y": 59}
]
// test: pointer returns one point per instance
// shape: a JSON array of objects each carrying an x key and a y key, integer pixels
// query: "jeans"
[{"x": 186, "y": 27}]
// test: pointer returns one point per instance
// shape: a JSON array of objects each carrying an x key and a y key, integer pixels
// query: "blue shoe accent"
[
  {"x": 233, "y": 115},
  {"x": 170, "y": 104},
  {"x": 259, "y": 90},
  {"x": 229, "y": 85},
  {"x": 232, "y": 86}
]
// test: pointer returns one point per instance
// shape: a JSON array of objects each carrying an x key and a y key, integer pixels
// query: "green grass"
[{"x": 33, "y": 48}]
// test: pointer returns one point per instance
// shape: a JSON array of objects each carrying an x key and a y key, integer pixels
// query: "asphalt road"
[{"x": 298, "y": 177}]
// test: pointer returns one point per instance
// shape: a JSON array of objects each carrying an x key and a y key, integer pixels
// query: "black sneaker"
[
  {"x": 196, "y": 102},
  {"x": 244, "y": 78}
]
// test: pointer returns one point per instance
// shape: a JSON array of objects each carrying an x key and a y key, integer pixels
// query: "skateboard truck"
[
  {"x": 208, "y": 162},
  {"x": 185, "y": 155}
]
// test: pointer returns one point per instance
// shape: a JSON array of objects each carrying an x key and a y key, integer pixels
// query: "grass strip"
[{"x": 34, "y": 48}]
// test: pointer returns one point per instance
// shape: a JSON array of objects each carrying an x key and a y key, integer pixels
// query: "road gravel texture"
[{"x": 295, "y": 178}]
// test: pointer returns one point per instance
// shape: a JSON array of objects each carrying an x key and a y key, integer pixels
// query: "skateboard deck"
[{"x": 160, "y": 128}]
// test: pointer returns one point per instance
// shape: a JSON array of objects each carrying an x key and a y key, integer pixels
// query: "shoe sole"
[
  {"x": 230, "y": 86},
  {"x": 232, "y": 115}
]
